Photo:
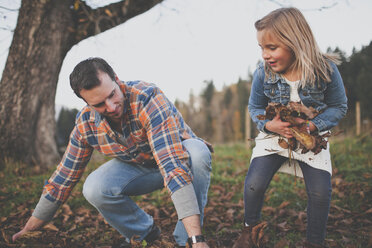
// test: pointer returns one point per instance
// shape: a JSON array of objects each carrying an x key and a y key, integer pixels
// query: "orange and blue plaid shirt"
[{"x": 152, "y": 129}]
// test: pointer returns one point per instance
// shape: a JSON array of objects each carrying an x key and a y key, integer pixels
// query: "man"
[{"x": 151, "y": 146}]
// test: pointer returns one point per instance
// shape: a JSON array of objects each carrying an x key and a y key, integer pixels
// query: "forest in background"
[{"x": 220, "y": 115}]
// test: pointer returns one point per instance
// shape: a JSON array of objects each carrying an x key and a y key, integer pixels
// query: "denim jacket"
[{"x": 328, "y": 98}]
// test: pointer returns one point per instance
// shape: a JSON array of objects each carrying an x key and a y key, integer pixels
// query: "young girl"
[{"x": 294, "y": 69}]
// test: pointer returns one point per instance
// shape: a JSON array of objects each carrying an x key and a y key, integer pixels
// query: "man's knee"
[
  {"x": 199, "y": 154},
  {"x": 92, "y": 192}
]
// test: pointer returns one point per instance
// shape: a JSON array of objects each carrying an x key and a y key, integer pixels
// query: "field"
[{"x": 77, "y": 224}]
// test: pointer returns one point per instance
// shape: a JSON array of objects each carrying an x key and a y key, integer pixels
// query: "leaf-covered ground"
[{"x": 77, "y": 224}]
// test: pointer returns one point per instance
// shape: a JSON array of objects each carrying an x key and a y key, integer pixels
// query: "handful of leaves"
[{"x": 302, "y": 138}]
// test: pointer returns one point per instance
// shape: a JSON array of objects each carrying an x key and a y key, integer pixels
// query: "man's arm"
[
  {"x": 59, "y": 186},
  {"x": 193, "y": 228},
  {"x": 163, "y": 126}
]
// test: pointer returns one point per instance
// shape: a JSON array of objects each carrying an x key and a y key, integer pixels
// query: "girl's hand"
[
  {"x": 311, "y": 125},
  {"x": 278, "y": 126}
]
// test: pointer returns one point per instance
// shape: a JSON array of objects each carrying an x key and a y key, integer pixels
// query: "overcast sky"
[{"x": 179, "y": 44}]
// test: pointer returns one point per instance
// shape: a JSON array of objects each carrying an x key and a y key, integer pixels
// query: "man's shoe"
[
  {"x": 252, "y": 236},
  {"x": 153, "y": 235}
]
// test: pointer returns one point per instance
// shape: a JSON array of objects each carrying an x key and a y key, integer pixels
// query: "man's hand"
[
  {"x": 192, "y": 226},
  {"x": 200, "y": 245},
  {"x": 32, "y": 224}
]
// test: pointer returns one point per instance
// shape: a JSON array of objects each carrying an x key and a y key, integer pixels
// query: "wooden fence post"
[{"x": 358, "y": 118}]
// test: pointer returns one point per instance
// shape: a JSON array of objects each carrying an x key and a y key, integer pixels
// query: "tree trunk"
[{"x": 46, "y": 30}]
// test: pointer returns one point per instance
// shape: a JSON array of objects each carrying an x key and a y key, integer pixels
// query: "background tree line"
[{"x": 220, "y": 115}]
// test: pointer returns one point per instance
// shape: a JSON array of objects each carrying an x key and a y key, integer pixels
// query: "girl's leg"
[
  {"x": 319, "y": 189},
  {"x": 258, "y": 178}
]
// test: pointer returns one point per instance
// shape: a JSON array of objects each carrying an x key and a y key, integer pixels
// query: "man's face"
[{"x": 107, "y": 98}]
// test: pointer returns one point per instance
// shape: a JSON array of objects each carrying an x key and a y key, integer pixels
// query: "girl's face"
[{"x": 277, "y": 55}]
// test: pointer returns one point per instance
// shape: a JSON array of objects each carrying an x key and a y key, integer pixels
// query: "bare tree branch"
[
  {"x": 94, "y": 21},
  {"x": 313, "y": 9},
  {"x": 2, "y": 7},
  {"x": 7, "y": 29},
  {"x": 321, "y": 8},
  {"x": 278, "y": 3}
]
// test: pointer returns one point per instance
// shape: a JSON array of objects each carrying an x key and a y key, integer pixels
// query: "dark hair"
[{"x": 84, "y": 75}]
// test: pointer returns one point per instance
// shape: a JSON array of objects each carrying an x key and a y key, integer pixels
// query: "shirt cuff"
[
  {"x": 45, "y": 209},
  {"x": 185, "y": 202}
]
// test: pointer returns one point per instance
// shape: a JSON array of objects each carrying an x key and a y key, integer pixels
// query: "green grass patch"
[{"x": 349, "y": 225}]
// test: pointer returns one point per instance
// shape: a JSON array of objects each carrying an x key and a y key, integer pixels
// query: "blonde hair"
[{"x": 292, "y": 29}]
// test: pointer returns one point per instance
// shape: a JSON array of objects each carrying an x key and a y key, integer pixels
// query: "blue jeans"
[
  {"x": 318, "y": 188},
  {"x": 109, "y": 188}
]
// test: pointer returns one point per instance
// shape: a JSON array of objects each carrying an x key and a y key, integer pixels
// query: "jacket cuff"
[
  {"x": 185, "y": 202},
  {"x": 261, "y": 125},
  {"x": 319, "y": 124},
  {"x": 45, "y": 209}
]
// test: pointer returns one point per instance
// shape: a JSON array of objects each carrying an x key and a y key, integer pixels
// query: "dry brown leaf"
[
  {"x": 337, "y": 181},
  {"x": 5, "y": 236},
  {"x": 282, "y": 226},
  {"x": 50, "y": 227},
  {"x": 282, "y": 243},
  {"x": 3, "y": 219},
  {"x": 369, "y": 211},
  {"x": 367, "y": 175},
  {"x": 284, "y": 204},
  {"x": 268, "y": 209},
  {"x": 83, "y": 211},
  {"x": 66, "y": 209},
  {"x": 261, "y": 235},
  {"x": 219, "y": 188},
  {"x": 34, "y": 234},
  {"x": 255, "y": 233},
  {"x": 215, "y": 219},
  {"x": 230, "y": 214}
]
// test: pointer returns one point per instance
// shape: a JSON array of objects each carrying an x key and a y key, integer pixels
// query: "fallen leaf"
[
  {"x": 282, "y": 226},
  {"x": 284, "y": 204},
  {"x": 34, "y": 234},
  {"x": 282, "y": 243},
  {"x": 5, "y": 236},
  {"x": 50, "y": 227}
]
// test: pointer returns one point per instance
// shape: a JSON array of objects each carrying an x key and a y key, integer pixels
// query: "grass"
[{"x": 349, "y": 225}]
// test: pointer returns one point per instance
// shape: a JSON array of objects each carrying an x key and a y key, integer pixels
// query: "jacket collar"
[{"x": 273, "y": 77}]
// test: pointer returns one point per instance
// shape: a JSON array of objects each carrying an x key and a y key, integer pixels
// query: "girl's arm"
[
  {"x": 257, "y": 100},
  {"x": 336, "y": 100}
]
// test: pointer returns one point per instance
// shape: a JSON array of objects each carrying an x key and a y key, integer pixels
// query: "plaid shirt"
[{"x": 152, "y": 128}]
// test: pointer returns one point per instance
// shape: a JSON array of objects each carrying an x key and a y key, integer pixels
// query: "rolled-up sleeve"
[{"x": 160, "y": 122}]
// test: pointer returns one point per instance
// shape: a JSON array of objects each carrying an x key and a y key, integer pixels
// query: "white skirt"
[{"x": 267, "y": 144}]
